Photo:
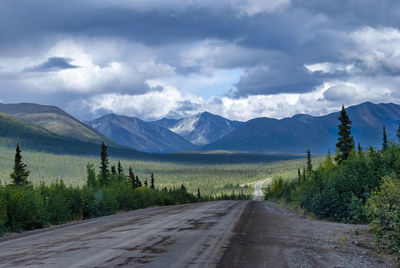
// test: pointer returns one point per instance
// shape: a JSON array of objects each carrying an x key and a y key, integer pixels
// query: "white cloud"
[
  {"x": 104, "y": 65},
  {"x": 329, "y": 67},
  {"x": 376, "y": 48},
  {"x": 254, "y": 7}
]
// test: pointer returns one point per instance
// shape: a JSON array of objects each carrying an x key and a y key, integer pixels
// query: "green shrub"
[
  {"x": 25, "y": 210},
  {"x": 3, "y": 211},
  {"x": 383, "y": 209}
]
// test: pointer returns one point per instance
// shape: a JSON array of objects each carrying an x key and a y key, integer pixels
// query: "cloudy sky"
[{"x": 171, "y": 58}]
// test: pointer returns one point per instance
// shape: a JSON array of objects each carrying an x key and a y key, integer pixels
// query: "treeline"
[
  {"x": 25, "y": 207},
  {"x": 357, "y": 186}
]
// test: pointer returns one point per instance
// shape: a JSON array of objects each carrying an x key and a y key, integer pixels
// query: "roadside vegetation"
[
  {"x": 212, "y": 180},
  {"x": 24, "y": 206},
  {"x": 356, "y": 186}
]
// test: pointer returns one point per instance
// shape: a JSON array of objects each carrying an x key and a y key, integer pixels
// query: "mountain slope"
[
  {"x": 30, "y": 136},
  {"x": 140, "y": 135},
  {"x": 54, "y": 120},
  {"x": 319, "y": 134},
  {"x": 200, "y": 129}
]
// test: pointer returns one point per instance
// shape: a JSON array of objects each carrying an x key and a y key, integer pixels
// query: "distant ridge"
[{"x": 319, "y": 134}]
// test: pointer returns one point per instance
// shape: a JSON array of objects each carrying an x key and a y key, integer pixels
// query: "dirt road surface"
[{"x": 213, "y": 234}]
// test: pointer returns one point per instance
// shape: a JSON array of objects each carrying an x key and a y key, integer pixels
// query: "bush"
[
  {"x": 25, "y": 209},
  {"x": 383, "y": 210},
  {"x": 3, "y": 212}
]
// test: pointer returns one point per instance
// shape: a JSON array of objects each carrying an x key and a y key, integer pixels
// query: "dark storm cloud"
[
  {"x": 276, "y": 45},
  {"x": 279, "y": 79},
  {"x": 52, "y": 64}
]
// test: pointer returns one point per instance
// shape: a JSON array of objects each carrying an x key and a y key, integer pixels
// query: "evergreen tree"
[
  {"x": 385, "y": 143},
  {"x": 345, "y": 143},
  {"x": 113, "y": 170},
  {"x": 183, "y": 188},
  {"x": 152, "y": 181},
  {"x": 309, "y": 164},
  {"x": 104, "y": 171},
  {"x": 198, "y": 193},
  {"x": 91, "y": 175},
  {"x": 138, "y": 182},
  {"x": 132, "y": 178},
  {"x": 19, "y": 175},
  {"x": 398, "y": 132},
  {"x": 298, "y": 174},
  {"x": 328, "y": 161},
  {"x": 359, "y": 149},
  {"x": 120, "y": 169}
]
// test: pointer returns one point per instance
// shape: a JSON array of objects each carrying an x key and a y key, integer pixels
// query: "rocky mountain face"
[
  {"x": 200, "y": 129},
  {"x": 140, "y": 135}
]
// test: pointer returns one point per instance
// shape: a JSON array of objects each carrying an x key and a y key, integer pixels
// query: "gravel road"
[
  {"x": 258, "y": 193},
  {"x": 223, "y": 234}
]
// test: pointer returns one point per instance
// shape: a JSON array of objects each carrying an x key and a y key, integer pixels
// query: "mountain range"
[
  {"x": 200, "y": 129},
  {"x": 318, "y": 134},
  {"x": 140, "y": 135},
  {"x": 33, "y": 137},
  {"x": 204, "y": 131}
]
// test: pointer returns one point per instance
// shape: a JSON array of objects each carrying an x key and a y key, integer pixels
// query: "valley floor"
[{"x": 213, "y": 234}]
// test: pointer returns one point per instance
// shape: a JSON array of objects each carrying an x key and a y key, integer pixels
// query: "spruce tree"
[
  {"x": 345, "y": 143},
  {"x": 398, "y": 132},
  {"x": 113, "y": 170},
  {"x": 120, "y": 169},
  {"x": 359, "y": 149},
  {"x": 298, "y": 175},
  {"x": 19, "y": 175},
  {"x": 138, "y": 182},
  {"x": 152, "y": 181},
  {"x": 91, "y": 175},
  {"x": 309, "y": 164},
  {"x": 104, "y": 171},
  {"x": 198, "y": 193},
  {"x": 385, "y": 143},
  {"x": 132, "y": 178}
]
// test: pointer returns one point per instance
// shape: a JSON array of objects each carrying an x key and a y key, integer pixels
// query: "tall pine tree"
[
  {"x": 120, "y": 169},
  {"x": 104, "y": 171},
  {"x": 19, "y": 175},
  {"x": 345, "y": 143},
  {"x": 132, "y": 178},
  {"x": 398, "y": 132},
  {"x": 309, "y": 164},
  {"x": 91, "y": 175},
  {"x": 385, "y": 143},
  {"x": 152, "y": 181}
]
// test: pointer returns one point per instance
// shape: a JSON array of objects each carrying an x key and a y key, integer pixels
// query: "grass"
[{"x": 210, "y": 179}]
